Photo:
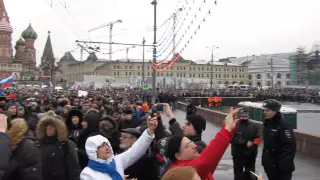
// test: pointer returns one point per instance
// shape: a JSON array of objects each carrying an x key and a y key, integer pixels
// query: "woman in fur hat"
[
  {"x": 59, "y": 156},
  {"x": 25, "y": 162}
]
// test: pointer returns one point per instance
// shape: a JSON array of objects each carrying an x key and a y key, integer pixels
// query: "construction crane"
[
  {"x": 127, "y": 51},
  {"x": 110, "y": 24}
]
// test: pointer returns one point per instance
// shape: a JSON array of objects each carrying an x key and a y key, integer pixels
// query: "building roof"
[
  {"x": 279, "y": 60},
  {"x": 67, "y": 57},
  {"x": 92, "y": 56},
  {"x": 3, "y": 12}
]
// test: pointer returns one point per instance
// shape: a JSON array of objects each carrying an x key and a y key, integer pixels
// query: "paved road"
[{"x": 306, "y": 168}]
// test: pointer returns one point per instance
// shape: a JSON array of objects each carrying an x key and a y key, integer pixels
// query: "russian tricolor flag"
[{"x": 7, "y": 82}]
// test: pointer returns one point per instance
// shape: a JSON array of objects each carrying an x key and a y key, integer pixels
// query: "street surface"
[{"x": 307, "y": 168}]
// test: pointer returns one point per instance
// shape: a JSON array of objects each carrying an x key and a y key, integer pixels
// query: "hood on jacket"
[
  {"x": 92, "y": 145},
  {"x": 61, "y": 128},
  {"x": 92, "y": 117},
  {"x": 17, "y": 132},
  {"x": 73, "y": 112},
  {"x": 108, "y": 126}
]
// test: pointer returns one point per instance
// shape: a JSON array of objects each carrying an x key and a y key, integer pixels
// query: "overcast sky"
[{"x": 238, "y": 27}]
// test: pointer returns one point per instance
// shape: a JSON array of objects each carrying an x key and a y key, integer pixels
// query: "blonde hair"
[
  {"x": 180, "y": 173},
  {"x": 17, "y": 131}
]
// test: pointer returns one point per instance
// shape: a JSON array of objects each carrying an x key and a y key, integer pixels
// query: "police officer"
[
  {"x": 279, "y": 143},
  {"x": 244, "y": 147}
]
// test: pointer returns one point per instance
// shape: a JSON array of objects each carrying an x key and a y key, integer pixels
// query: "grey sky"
[{"x": 238, "y": 27}]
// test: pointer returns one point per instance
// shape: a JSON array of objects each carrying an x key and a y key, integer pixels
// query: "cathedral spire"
[
  {"x": 3, "y": 12},
  {"x": 48, "y": 52}
]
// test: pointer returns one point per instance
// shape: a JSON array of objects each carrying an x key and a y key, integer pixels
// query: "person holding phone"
[{"x": 4, "y": 145}]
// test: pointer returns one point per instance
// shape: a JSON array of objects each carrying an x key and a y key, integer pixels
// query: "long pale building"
[{"x": 184, "y": 70}]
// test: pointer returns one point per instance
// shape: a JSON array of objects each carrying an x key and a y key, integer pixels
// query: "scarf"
[{"x": 109, "y": 169}]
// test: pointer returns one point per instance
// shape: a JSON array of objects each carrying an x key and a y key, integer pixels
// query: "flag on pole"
[{"x": 7, "y": 82}]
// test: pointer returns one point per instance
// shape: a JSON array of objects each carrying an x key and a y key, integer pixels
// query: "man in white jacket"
[{"x": 103, "y": 165}]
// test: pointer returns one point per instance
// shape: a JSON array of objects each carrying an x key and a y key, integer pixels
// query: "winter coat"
[
  {"x": 4, "y": 153},
  {"x": 109, "y": 129},
  {"x": 207, "y": 162},
  {"x": 59, "y": 155},
  {"x": 25, "y": 159},
  {"x": 123, "y": 160},
  {"x": 146, "y": 168},
  {"x": 74, "y": 130},
  {"x": 93, "y": 118}
]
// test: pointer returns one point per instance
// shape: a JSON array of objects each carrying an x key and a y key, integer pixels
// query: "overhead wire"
[
  {"x": 181, "y": 25},
  {"x": 154, "y": 66},
  {"x": 62, "y": 19}
]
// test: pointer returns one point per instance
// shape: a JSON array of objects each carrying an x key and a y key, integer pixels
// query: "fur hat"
[
  {"x": 198, "y": 123},
  {"x": 169, "y": 146}
]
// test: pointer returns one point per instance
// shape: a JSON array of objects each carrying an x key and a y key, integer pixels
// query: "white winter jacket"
[{"x": 122, "y": 161}]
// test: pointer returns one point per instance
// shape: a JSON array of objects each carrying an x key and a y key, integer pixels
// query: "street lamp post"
[
  {"x": 153, "y": 100},
  {"x": 211, "y": 67}
]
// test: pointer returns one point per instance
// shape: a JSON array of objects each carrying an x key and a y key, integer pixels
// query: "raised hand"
[
  {"x": 230, "y": 121},
  {"x": 3, "y": 123},
  {"x": 152, "y": 125}
]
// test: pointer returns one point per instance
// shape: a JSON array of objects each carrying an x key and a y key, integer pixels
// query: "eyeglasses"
[{"x": 189, "y": 144}]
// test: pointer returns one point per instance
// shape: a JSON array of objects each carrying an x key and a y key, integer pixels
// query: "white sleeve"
[
  {"x": 137, "y": 150},
  {"x": 84, "y": 175}
]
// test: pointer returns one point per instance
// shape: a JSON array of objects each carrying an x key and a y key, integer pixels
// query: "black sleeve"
[
  {"x": 4, "y": 153},
  {"x": 72, "y": 161},
  {"x": 288, "y": 150},
  {"x": 175, "y": 127},
  {"x": 29, "y": 167}
]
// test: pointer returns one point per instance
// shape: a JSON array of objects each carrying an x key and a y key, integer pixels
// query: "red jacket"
[{"x": 207, "y": 162}]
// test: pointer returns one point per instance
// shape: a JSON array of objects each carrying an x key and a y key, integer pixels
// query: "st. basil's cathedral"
[{"x": 23, "y": 64}]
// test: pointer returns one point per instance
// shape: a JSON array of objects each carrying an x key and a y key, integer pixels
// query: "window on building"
[
  {"x": 138, "y": 73},
  {"x": 184, "y": 74},
  {"x": 288, "y": 82},
  {"x": 258, "y": 76},
  {"x": 118, "y": 73},
  {"x": 234, "y": 82},
  {"x": 226, "y": 83},
  {"x": 288, "y": 76},
  {"x": 171, "y": 74},
  {"x": 241, "y": 82},
  {"x": 126, "y": 67},
  {"x": 258, "y": 84},
  {"x": 268, "y": 83},
  {"x": 194, "y": 75},
  {"x": 194, "y": 68},
  {"x": 250, "y": 83},
  {"x": 279, "y": 75},
  {"x": 129, "y": 73},
  {"x": 126, "y": 73},
  {"x": 138, "y": 67},
  {"x": 114, "y": 67},
  {"x": 148, "y": 74},
  {"x": 114, "y": 73}
]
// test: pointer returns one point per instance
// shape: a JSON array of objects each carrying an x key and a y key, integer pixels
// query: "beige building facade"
[{"x": 223, "y": 73}]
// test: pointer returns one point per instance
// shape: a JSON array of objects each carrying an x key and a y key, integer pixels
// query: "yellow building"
[{"x": 223, "y": 73}]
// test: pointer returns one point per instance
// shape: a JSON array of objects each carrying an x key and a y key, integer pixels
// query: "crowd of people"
[
  {"x": 117, "y": 134},
  {"x": 288, "y": 94}
]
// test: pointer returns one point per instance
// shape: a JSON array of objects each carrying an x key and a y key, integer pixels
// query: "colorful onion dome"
[
  {"x": 29, "y": 33},
  {"x": 20, "y": 42}
]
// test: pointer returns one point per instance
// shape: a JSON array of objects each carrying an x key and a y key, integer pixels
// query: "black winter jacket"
[
  {"x": 4, "y": 153},
  {"x": 279, "y": 145},
  {"x": 25, "y": 162}
]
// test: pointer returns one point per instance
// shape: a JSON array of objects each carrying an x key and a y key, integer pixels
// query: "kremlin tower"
[{"x": 23, "y": 63}]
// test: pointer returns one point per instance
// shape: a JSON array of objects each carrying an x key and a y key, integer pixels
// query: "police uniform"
[
  {"x": 279, "y": 145},
  {"x": 244, "y": 157}
]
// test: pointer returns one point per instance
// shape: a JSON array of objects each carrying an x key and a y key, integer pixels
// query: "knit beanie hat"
[
  {"x": 272, "y": 104},
  {"x": 198, "y": 123},
  {"x": 169, "y": 146}
]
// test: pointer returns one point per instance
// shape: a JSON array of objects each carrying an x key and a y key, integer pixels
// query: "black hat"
[
  {"x": 169, "y": 146},
  {"x": 127, "y": 111},
  {"x": 133, "y": 131},
  {"x": 272, "y": 104},
  {"x": 198, "y": 123}
]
